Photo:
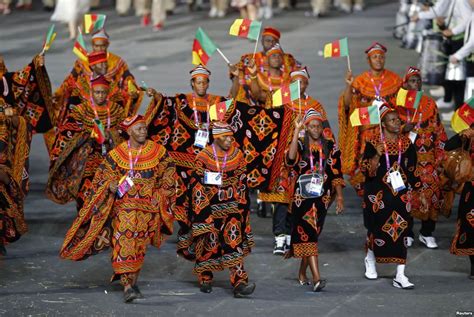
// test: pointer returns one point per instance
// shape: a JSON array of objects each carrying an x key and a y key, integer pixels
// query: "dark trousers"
[
  {"x": 281, "y": 219},
  {"x": 427, "y": 228}
]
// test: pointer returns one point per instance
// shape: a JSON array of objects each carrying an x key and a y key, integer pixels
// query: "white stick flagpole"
[
  {"x": 223, "y": 56},
  {"x": 256, "y": 45},
  {"x": 349, "y": 62}
]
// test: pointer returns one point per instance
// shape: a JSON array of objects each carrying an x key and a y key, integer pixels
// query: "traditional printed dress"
[
  {"x": 365, "y": 88},
  {"x": 281, "y": 180},
  {"x": 128, "y": 224},
  {"x": 13, "y": 156},
  {"x": 463, "y": 240},
  {"x": 174, "y": 122},
  {"x": 261, "y": 60},
  {"x": 429, "y": 145},
  {"x": 309, "y": 213},
  {"x": 76, "y": 155},
  {"x": 75, "y": 90},
  {"x": 220, "y": 235},
  {"x": 387, "y": 212}
]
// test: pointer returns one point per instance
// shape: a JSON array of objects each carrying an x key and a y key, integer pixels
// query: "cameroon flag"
[
  {"x": 80, "y": 47},
  {"x": 246, "y": 28},
  {"x": 94, "y": 22},
  {"x": 50, "y": 36},
  {"x": 365, "y": 116},
  {"x": 218, "y": 111},
  {"x": 463, "y": 118},
  {"x": 336, "y": 49},
  {"x": 98, "y": 132},
  {"x": 203, "y": 48},
  {"x": 286, "y": 94},
  {"x": 409, "y": 98}
]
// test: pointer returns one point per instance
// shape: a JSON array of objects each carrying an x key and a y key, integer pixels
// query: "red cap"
[
  {"x": 100, "y": 81},
  {"x": 131, "y": 121},
  {"x": 376, "y": 47},
  {"x": 272, "y": 32},
  {"x": 411, "y": 71},
  {"x": 97, "y": 57}
]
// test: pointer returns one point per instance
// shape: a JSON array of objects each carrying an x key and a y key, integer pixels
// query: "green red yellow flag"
[
  {"x": 337, "y": 48},
  {"x": 218, "y": 111},
  {"x": 98, "y": 131},
  {"x": 286, "y": 94},
  {"x": 94, "y": 22},
  {"x": 48, "y": 40},
  {"x": 409, "y": 98},
  {"x": 203, "y": 48},
  {"x": 463, "y": 118},
  {"x": 80, "y": 47},
  {"x": 365, "y": 116},
  {"x": 246, "y": 28}
]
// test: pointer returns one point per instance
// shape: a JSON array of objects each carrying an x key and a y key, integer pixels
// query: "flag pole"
[
  {"x": 299, "y": 97},
  {"x": 223, "y": 56},
  {"x": 348, "y": 62},
  {"x": 256, "y": 44}
]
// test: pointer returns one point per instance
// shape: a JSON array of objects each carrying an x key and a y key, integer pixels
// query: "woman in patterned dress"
[{"x": 314, "y": 157}]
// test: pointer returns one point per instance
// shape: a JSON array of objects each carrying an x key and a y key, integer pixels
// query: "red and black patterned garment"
[
  {"x": 308, "y": 214},
  {"x": 386, "y": 211},
  {"x": 220, "y": 235}
]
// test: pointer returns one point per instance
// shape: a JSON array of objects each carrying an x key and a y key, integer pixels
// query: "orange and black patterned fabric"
[
  {"x": 308, "y": 214},
  {"x": 13, "y": 156},
  {"x": 386, "y": 211},
  {"x": 128, "y": 224},
  {"x": 220, "y": 234},
  {"x": 76, "y": 154},
  {"x": 429, "y": 145},
  {"x": 352, "y": 139}
]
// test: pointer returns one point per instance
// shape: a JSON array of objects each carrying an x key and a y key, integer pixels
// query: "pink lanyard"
[
  {"x": 217, "y": 160},
  {"x": 196, "y": 119},
  {"x": 379, "y": 87},
  {"x": 97, "y": 115},
  {"x": 387, "y": 158},
  {"x": 132, "y": 163},
  {"x": 320, "y": 160},
  {"x": 270, "y": 87}
]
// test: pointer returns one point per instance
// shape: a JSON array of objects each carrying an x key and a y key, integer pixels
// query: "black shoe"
[
  {"x": 242, "y": 290},
  {"x": 137, "y": 291},
  {"x": 129, "y": 295},
  {"x": 3, "y": 251},
  {"x": 319, "y": 285},
  {"x": 206, "y": 288}
]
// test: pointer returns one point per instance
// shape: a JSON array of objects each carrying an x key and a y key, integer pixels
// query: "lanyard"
[
  {"x": 378, "y": 87},
  {"x": 217, "y": 159},
  {"x": 196, "y": 118},
  {"x": 320, "y": 159},
  {"x": 387, "y": 158},
  {"x": 132, "y": 163},
  {"x": 97, "y": 114},
  {"x": 270, "y": 87}
]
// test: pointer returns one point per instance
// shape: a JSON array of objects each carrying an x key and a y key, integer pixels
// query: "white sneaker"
[
  {"x": 370, "y": 269},
  {"x": 220, "y": 14},
  {"x": 279, "y": 248},
  {"x": 441, "y": 104},
  {"x": 401, "y": 281},
  {"x": 287, "y": 243},
  {"x": 410, "y": 241},
  {"x": 429, "y": 242},
  {"x": 358, "y": 8},
  {"x": 437, "y": 92},
  {"x": 213, "y": 12},
  {"x": 268, "y": 14},
  {"x": 447, "y": 116},
  {"x": 316, "y": 13},
  {"x": 345, "y": 8}
]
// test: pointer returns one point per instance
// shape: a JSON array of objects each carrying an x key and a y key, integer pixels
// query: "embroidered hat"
[
  {"x": 200, "y": 70},
  {"x": 275, "y": 49},
  {"x": 131, "y": 121},
  {"x": 100, "y": 35},
  {"x": 303, "y": 72},
  {"x": 385, "y": 109},
  {"x": 411, "y": 71},
  {"x": 220, "y": 129},
  {"x": 311, "y": 115},
  {"x": 100, "y": 81},
  {"x": 376, "y": 47},
  {"x": 272, "y": 32},
  {"x": 97, "y": 57}
]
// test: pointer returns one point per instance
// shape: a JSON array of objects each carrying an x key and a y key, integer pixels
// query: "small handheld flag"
[
  {"x": 336, "y": 49},
  {"x": 463, "y": 118},
  {"x": 203, "y": 48},
  {"x": 409, "y": 98},
  {"x": 80, "y": 47},
  {"x": 365, "y": 116},
  {"x": 50, "y": 36},
  {"x": 286, "y": 94},
  {"x": 218, "y": 111},
  {"x": 98, "y": 132},
  {"x": 94, "y": 22},
  {"x": 246, "y": 28}
]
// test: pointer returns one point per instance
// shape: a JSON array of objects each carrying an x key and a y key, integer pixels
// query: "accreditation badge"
[
  {"x": 396, "y": 181},
  {"x": 201, "y": 138},
  {"x": 212, "y": 178},
  {"x": 124, "y": 186},
  {"x": 412, "y": 136},
  {"x": 316, "y": 185}
]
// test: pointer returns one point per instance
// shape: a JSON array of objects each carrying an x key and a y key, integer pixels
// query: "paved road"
[{"x": 34, "y": 281}]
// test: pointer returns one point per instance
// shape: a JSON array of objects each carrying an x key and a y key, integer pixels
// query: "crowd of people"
[{"x": 193, "y": 158}]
